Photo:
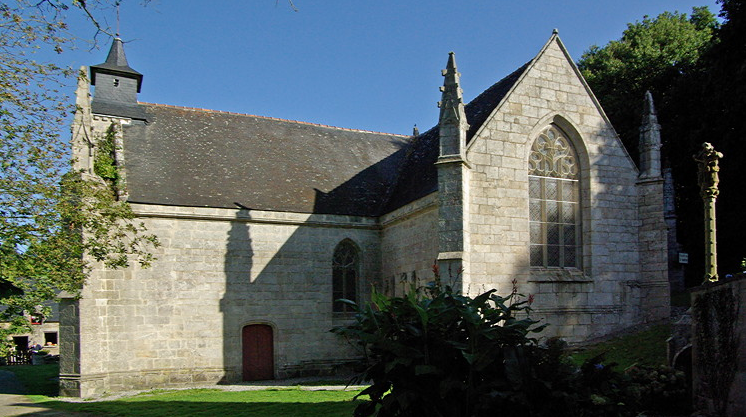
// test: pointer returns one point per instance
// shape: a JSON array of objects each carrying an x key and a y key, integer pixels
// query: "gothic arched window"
[
  {"x": 554, "y": 201},
  {"x": 345, "y": 270}
]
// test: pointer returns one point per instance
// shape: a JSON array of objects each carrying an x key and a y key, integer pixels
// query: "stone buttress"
[
  {"x": 654, "y": 285},
  {"x": 453, "y": 171}
]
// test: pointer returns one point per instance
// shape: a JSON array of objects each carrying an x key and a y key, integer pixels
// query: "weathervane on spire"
[{"x": 117, "y": 6}]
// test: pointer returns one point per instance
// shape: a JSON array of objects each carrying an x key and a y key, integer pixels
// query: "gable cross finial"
[{"x": 707, "y": 176}]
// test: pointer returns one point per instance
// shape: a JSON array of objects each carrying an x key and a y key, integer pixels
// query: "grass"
[
  {"x": 647, "y": 347},
  {"x": 41, "y": 383},
  {"x": 212, "y": 402},
  {"x": 37, "y": 379}
]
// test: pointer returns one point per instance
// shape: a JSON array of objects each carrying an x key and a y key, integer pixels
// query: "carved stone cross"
[{"x": 707, "y": 175}]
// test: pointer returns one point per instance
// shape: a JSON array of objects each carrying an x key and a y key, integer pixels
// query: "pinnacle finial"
[
  {"x": 452, "y": 121},
  {"x": 649, "y": 106},
  {"x": 415, "y": 131},
  {"x": 451, "y": 104},
  {"x": 650, "y": 141},
  {"x": 555, "y": 31}
]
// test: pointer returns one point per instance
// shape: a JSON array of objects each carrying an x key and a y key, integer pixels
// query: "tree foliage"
[
  {"x": 695, "y": 69},
  {"x": 652, "y": 54},
  {"x": 53, "y": 222}
]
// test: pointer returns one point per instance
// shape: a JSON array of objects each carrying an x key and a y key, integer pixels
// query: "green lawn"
[
  {"x": 42, "y": 386},
  {"x": 647, "y": 347},
  {"x": 215, "y": 402},
  {"x": 37, "y": 379},
  {"x": 643, "y": 348}
]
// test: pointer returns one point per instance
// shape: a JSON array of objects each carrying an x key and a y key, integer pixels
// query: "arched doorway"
[{"x": 258, "y": 352}]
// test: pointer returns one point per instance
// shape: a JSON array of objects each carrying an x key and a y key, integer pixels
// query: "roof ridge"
[{"x": 274, "y": 118}]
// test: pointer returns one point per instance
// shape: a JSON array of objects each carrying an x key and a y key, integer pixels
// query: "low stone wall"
[{"x": 719, "y": 348}]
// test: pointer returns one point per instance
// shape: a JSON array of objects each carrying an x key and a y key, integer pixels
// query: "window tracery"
[
  {"x": 345, "y": 270},
  {"x": 554, "y": 201}
]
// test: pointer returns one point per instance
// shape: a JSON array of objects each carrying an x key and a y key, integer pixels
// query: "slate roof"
[
  {"x": 195, "y": 157},
  {"x": 203, "y": 158},
  {"x": 418, "y": 176},
  {"x": 133, "y": 111}
]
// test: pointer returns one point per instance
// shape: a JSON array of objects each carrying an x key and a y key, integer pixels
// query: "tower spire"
[
  {"x": 117, "y": 85},
  {"x": 116, "y": 65}
]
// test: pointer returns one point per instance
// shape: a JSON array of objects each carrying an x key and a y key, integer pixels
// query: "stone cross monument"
[{"x": 707, "y": 161}]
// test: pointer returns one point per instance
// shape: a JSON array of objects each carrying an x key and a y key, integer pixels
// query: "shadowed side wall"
[
  {"x": 409, "y": 245},
  {"x": 179, "y": 322}
]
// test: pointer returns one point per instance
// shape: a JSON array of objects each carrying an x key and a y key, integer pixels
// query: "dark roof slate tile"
[{"x": 193, "y": 157}]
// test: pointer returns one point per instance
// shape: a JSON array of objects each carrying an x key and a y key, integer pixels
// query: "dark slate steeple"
[{"x": 117, "y": 85}]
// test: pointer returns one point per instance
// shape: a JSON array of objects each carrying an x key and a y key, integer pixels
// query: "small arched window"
[
  {"x": 554, "y": 201},
  {"x": 345, "y": 271}
]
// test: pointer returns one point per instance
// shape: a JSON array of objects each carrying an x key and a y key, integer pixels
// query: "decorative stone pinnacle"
[
  {"x": 452, "y": 121},
  {"x": 649, "y": 106},
  {"x": 555, "y": 31},
  {"x": 650, "y": 141},
  {"x": 451, "y": 104}
]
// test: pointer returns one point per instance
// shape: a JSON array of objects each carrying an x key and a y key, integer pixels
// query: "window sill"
[{"x": 552, "y": 274}]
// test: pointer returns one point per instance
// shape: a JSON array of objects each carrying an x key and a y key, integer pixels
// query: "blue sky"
[{"x": 372, "y": 65}]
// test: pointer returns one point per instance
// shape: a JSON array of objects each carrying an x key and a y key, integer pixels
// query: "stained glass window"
[{"x": 554, "y": 201}]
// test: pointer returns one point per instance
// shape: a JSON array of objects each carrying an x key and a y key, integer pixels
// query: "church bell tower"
[{"x": 117, "y": 85}]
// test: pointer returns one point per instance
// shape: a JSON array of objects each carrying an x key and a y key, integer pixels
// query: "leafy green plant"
[
  {"x": 105, "y": 163},
  {"x": 434, "y": 352}
]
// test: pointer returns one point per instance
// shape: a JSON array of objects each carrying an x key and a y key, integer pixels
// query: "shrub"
[
  {"x": 661, "y": 390},
  {"x": 435, "y": 352}
]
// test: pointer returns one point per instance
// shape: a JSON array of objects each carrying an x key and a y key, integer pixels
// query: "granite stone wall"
[
  {"x": 603, "y": 294},
  {"x": 409, "y": 245},
  {"x": 179, "y": 322}
]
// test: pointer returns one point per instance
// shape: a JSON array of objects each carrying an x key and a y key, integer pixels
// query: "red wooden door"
[{"x": 258, "y": 353}]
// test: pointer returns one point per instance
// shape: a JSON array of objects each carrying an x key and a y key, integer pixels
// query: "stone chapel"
[{"x": 264, "y": 223}]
